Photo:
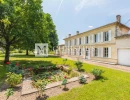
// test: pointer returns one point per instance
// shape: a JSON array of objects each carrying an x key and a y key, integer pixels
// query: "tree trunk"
[
  {"x": 27, "y": 52},
  {"x": 7, "y": 53}
]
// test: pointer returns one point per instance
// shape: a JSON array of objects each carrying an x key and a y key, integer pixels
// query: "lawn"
[{"x": 115, "y": 86}]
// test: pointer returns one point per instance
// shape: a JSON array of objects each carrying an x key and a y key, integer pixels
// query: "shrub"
[
  {"x": 40, "y": 85},
  {"x": 14, "y": 68},
  {"x": 97, "y": 73},
  {"x": 73, "y": 74},
  {"x": 64, "y": 82},
  {"x": 82, "y": 79},
  {"x": 9, "y": 92},
  {"x": 64, "y": 61},
  {"x": 79, "y": 65},
  {"x": 13, "y": 79}
]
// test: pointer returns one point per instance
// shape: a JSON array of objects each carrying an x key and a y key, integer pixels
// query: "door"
[
  {"x": 87, "y": 53},
  {"x": 124, "y": 57}
]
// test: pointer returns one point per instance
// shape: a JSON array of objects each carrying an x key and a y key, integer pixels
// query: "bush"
[
  {"x": 9, "y": 92},
  {"x": 40, "y": 85},
  {"x": 82, "y": 79},
  {"x": 79, "y": 65},
  {"x": 64, "y": 82},
  {"x": 64, "y": 61},
  {"x": 97, "y": 73},
  {"x": 14, "y": 68},
  {"x": 13, "y": 79}
]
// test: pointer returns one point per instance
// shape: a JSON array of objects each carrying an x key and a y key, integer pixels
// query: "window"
[
  {"x": 106, "y": 52},
  {"x": 106, "y": 36},
  {"x": 86, "y": 52},
  {"x": 96, "y": 38},
  {"x": 80, "y": 52},
  {"x": 96, "y": 52},
  {"x": 86, "y": 40},
  {"x": 79, "y": 40},
  {"x": 75, "y": 41},
  {"x": 74, "y": 51}
]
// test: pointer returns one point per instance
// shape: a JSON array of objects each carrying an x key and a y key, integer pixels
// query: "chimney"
[
  {"x": 118, "y": 18},
  {"x": 77, "y": 32},
  {"x": 69, "y": 35}
]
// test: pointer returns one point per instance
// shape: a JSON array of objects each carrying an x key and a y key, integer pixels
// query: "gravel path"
[{"x": 116, "y": 67}]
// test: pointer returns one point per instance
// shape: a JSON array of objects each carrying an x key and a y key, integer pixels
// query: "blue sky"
[{"x": 70, "y": 16}]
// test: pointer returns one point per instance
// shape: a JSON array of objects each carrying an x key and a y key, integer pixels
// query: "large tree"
[{"x": 23, "y": 23}]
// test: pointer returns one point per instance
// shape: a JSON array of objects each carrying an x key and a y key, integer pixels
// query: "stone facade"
[{"x": 98, "y": 44}]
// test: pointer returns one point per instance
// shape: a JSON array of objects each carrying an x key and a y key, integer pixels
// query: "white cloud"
[
  {"x": 89, "y": 3},
  {"x": 59, "y": 8},
  {"x": 90, "y": 26}
]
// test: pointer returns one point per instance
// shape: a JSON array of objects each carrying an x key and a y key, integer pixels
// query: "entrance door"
[{"x": 87, "y": 53}]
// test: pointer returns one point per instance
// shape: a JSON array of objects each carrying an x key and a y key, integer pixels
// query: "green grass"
[
  {"x": 2, "y": 73},
  {"x": 115, "y": 87}
]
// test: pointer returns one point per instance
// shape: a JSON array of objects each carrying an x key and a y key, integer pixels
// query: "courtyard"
[{"x": 114, "y": 84}]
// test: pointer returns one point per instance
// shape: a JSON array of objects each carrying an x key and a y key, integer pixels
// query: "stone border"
[{"x": 27, "y": 88}]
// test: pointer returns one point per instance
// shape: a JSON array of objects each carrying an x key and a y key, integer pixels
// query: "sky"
[{"x": 70, "y": 16}]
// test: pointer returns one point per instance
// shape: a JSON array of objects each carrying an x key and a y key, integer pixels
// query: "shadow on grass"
[
  {"x": 32, "y": 63},
  {"x": 101, "y": 78},
  {"x": 33, "y": 56}
]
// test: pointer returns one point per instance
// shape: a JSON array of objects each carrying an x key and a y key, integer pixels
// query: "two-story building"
[{"x": 98, "y": 44}]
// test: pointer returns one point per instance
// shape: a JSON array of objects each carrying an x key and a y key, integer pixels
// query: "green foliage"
[
  {"x": 14, "y": 69},
  {"x": 79, "y": 65},
  {"x": 97, "y": 73},
  {"x": 24, "y": 24},
  {"x": 40, "y": 85},
  {"x": 74, "y": 74},
  {"x": 13, "y": 79},
  {"x": 64, "y": 61},
  {"x": 9, "y": 92},
  {"x": 82, "y": 79},
  {"x": 64, "y": 82}
]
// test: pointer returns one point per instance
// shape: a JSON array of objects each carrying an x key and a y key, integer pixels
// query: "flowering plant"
[
  {"x": 64, "y": 82},
  {"x": 7, "y": 63}
]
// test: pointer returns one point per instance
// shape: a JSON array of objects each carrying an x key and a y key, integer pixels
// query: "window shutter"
[
  {"x": 109, "y": 52},
  {"x": 88, "y": 39},
  {"x": 109, "y": 35},
  {"x": 73, "y": 42},
  {"x": 101, "y": 52},
  {"x": 84, "y": 40},
  {"x": 92, "y": 38},
  {"x": 92, "y": 51},
  {"x": 68, "y": 43},
  {"x": 77, "y": 41},
  {"x": 101, "y": 36}
]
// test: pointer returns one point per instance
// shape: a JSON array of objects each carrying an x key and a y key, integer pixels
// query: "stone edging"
[{"x": 27, "y": 88}]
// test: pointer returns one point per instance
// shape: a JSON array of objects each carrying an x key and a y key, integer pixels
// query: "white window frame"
[
  {"x": 86, "y": 40},
  {"x": 106, "y": 52},
  {"x": 95, "y": 38},
  {"x": 106, "y": 36},
  {"x": 96, "y": 52}
]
